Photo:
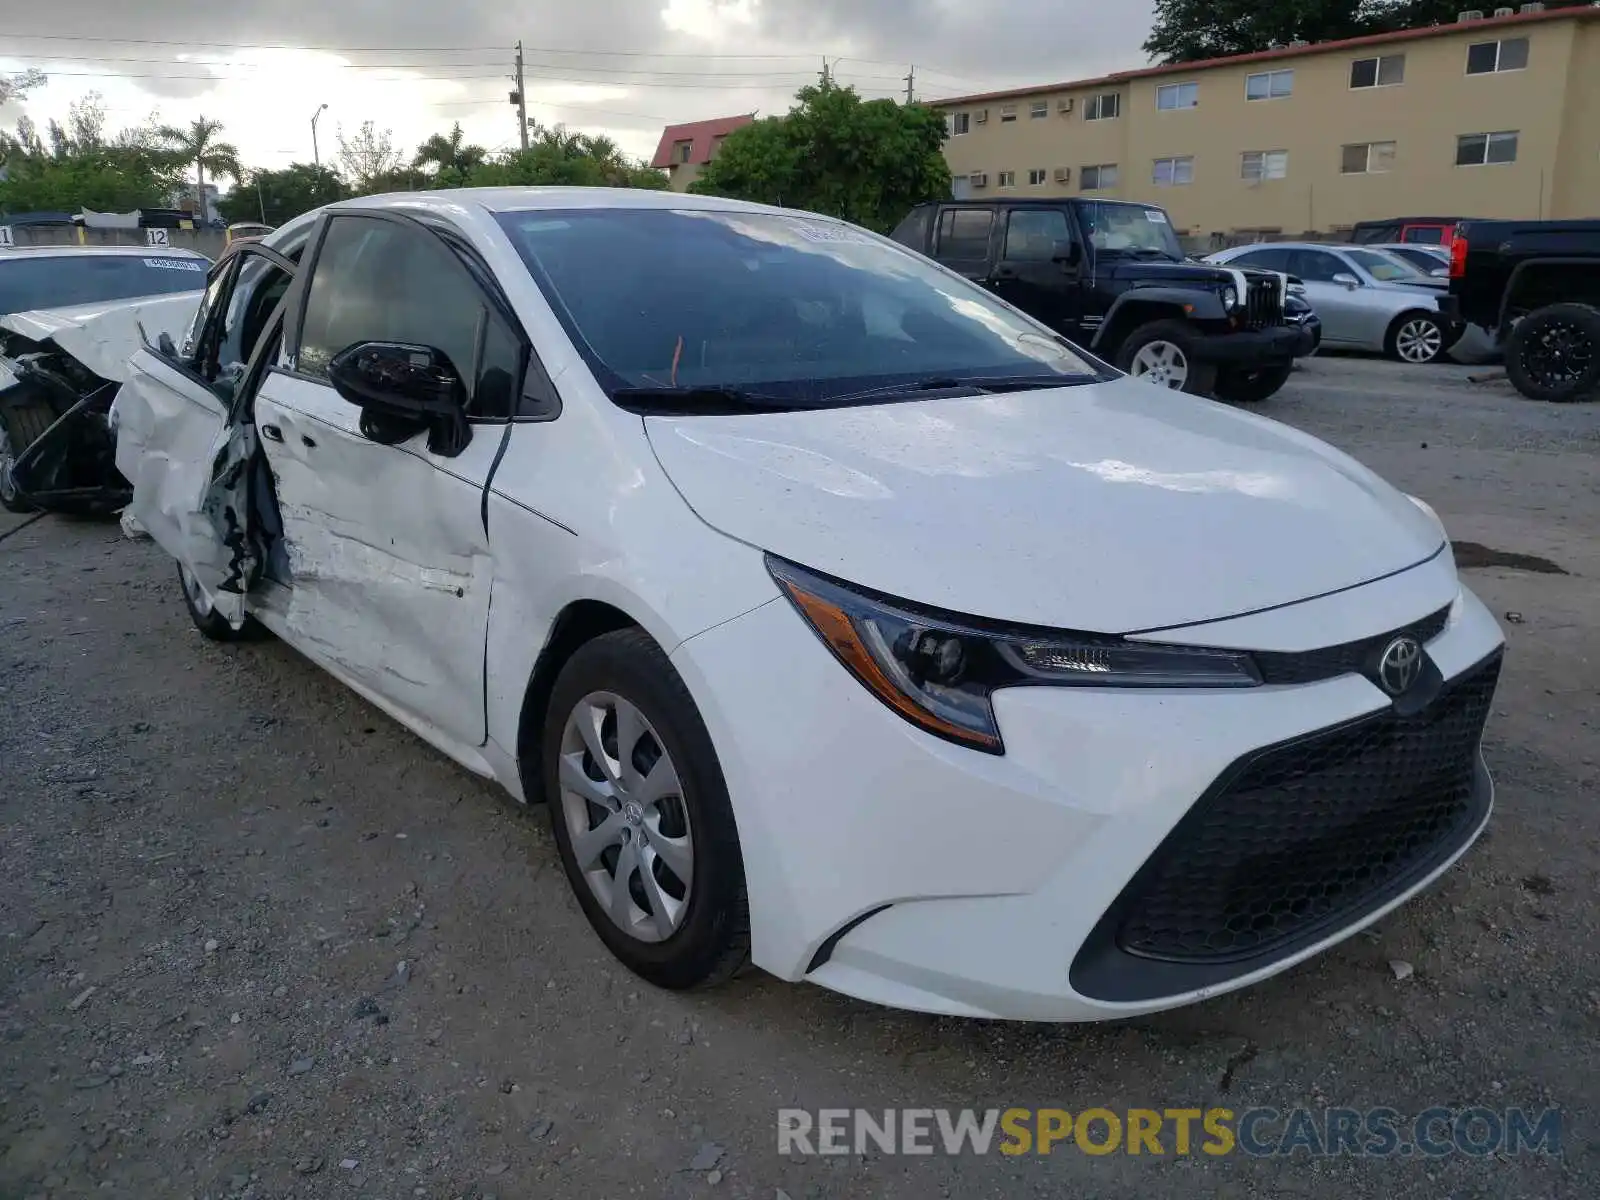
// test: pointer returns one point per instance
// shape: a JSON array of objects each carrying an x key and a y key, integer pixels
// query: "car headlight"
[
  {"x": 939, "y": 671},
  {"x": 1230, "y": 298}
]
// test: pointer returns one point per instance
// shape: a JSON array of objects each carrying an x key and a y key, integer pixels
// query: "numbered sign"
[
  {"x": 156, "y": 237},
  {"x": 6, "y": 240}
]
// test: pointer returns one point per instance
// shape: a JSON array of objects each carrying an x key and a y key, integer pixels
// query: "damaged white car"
[{"x": 849, "y": 620}]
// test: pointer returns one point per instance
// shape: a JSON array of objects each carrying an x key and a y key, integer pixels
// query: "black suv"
[{"x": 1112, "y": 277}]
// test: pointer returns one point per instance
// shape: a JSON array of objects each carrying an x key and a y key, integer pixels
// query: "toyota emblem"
[{"x": 1400, "y": 665}]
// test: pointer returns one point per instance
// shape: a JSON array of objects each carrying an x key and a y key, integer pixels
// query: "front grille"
[
  {"x": 1311, "y": 834},
  {"x": 1350, "y": 658},
  {"x": 1263, "y": 302}
]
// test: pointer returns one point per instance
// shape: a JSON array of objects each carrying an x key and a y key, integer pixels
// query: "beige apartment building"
[{"x": 1497, "y": 115}]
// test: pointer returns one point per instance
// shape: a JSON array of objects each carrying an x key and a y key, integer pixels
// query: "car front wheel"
[
  {"x": 1163, "y": 353},
  {"x": 641, "y": 815},
  {"x": 1418, "y": 338},
  {"x": 1251, "y": 387},
  {"x": 212, "y": 624},
  {"x": 20, "y": 426}
]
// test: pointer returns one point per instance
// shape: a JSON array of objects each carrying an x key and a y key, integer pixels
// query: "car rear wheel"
[
  {"x": 1555, "y": 353},
  {"x": 1162, "y": 353},
  {"x": 641, "y": 815},
  {"x": 1418, "y": 338},
  {"x": 1252, "y": 387},
  {"x": 20, "y": 426},
  {"x": 212, "y": 624}
]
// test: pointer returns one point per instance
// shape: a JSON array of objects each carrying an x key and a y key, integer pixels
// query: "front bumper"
[
  {"x": 897, "y": 868},
  {"x": 1257, "y": 347}
]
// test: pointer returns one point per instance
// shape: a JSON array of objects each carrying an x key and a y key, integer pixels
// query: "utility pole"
[
  {"x": 520, "y": 99},
  {"x": 825, "y": 79},
  {"x": 911, "y": 84}
]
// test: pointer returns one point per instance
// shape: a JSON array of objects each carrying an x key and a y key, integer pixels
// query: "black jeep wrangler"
[{"x": 1112, "y": 277}]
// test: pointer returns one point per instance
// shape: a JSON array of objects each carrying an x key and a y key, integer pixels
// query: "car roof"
[
  {"x": 124, "y": 251},
  {"x": 525, "y": 199}
]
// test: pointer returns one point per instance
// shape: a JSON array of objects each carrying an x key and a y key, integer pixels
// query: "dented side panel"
[
  {"x": 188, "y": 470},
  {"x": 389, "y": 567}
]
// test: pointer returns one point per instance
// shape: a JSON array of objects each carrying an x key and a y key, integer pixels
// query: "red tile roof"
[
  {"x": 1375, "y": 39},
  {"x": 701, "y": 133}
]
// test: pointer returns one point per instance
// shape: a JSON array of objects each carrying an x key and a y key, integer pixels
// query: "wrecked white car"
[{"x": 70, "y": 318}]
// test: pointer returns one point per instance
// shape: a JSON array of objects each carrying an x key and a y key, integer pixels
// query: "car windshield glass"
[
  {"x": 1383, "y": 267},
  {"x": 28, "y": 282},
  {"x": 1131, "y": 229},
  {"x": 771, "y": 309}
]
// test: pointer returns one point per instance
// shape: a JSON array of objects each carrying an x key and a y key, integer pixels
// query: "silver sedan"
[{"x": 1367, "y": 299}]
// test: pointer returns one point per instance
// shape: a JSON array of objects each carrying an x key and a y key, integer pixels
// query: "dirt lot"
[{"x": 256, "y": 940}]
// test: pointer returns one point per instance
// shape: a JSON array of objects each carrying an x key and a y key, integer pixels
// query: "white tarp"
[{"x": 103, "y": 220}]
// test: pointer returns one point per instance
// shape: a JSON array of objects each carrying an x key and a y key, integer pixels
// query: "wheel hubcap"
[
  {"x": 1162, "y": 364},
  {"x": 624, "y": 811},
  {"x": 1419, "y": 341}
]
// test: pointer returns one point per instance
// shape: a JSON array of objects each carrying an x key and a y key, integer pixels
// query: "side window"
[
  {"x": 1266, "y": 260},
  {"x": 964, "y": 235},
  {"x": 381, "y": 281},
  {"x": 913, "y": 231},
  {"x": 261, "y": 285},
  {"x": 1032, "y": 234},
  {"x": 1317, "y": 266},
  {"x": 216, "y": 289}
]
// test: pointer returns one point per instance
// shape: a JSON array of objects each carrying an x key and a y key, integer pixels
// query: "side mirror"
[
  {"x": 1069, "y": 254},
  {"x": 164, "y": 344},
  {"x": 403, "y": 388},
  {"x": 1349, "y": 281}
]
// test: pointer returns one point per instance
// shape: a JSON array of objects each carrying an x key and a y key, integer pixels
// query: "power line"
[{"x": 130, "y": 41}]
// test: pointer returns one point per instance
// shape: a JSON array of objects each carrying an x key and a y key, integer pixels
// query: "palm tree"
[
  {"x": 449, "y": 151},
  {"x": 197, "y": 144}
]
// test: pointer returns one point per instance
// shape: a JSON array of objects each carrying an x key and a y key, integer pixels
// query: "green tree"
[
  {"x": 17, "y": 85},
  {"x": 197, "y": 145},
  {"x": 449, "y": 153},
  {"x": 369, "y": 161},
  {"x": 557, "y": 156},
  {"x": 867, "y": 161},
  {"x": 279, "y": 196},
  {"x": 1190, "y": 30},
  {"x": 77, "y": 166}
]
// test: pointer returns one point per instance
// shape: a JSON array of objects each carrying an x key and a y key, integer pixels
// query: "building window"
[
  {"x": 1367, "y": 158},
  {"x": 1269, "y": 85},
  {"x": 1485, "y": 58},
  {"x": 1173, "y": 172},
  {"x": 1486, "y": 149},
  {"x": 1008, "y": 112},
  {"x": 1105, "y": 107},
  {"x": 1037, "y": 109},
  {"x": 716, "y": 143},
  {"x": 1265, "y": 164},
  {"x": 1388, "y": 71},
  {"x": 1178, "y": 95},
  {"x": 1098, "y": 179},
  {"x": 681, "y": 151},
  {"x": 959, "y": 123},
  {"x": 1006, "y": 179},
  {"x": 1037, "y": 176}
]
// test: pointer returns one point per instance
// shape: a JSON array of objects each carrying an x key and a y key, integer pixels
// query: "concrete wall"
[{"x": 208, "y": 241}]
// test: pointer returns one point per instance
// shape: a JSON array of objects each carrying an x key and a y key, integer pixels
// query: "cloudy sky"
[{"x": 620, "y": 67}]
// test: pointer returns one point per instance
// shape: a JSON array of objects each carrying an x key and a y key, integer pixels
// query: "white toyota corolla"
[{"x": 849, "y": 621}]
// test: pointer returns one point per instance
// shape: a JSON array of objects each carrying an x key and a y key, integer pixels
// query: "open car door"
[{"x": 180, "y": 442}]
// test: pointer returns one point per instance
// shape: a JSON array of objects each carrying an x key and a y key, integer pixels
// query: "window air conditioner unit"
[
  {"x": 983, "y": 115},
  {"x": 1532, "y": 8},
  {"x": 1505, "y": 12},
  {"x": 978, "y": 179},
  {"x": 1471, "y": 14},
  {"x": 1063, "y": 174},
  {"x": 1065, "y": 106}
]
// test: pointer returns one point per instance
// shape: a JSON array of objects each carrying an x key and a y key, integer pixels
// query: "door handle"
[{"x": 272, "y": 433}]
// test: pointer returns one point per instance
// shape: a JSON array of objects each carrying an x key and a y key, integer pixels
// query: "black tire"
[
  {"x": 1408, "y": 326},
  {"x": 1252, "y": 387},
  {"x": 712, "y": 942},
  {"x": 20, "y": 426},
  {"x": 1554, "y": 354},
  {"x": 211, "y": 624},
  {"x": 1200, "y": 378}
]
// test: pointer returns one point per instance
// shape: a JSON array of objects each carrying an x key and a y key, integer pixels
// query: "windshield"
[
  {"x": 1384, "y": 268},
  {"x": 61, "y": 280},
  {"x": 1131, "y": 229},
  {"x": 782, "y": 309}
]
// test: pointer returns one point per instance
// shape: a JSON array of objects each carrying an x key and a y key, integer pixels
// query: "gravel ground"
[{"x": 257, "y": 941}]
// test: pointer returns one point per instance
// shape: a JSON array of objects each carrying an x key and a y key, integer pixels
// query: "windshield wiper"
[
  {"x": 981, "y": 384},
  {"x": 693, "y": 401}
]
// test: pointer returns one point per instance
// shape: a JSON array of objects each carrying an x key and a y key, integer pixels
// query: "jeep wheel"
[
  {"x": 1252, "y": 387},
  {"x": 1555, "y": 353},
  {"x": 1162, "y": 353},
  {"x": 1415, "y": 337}
]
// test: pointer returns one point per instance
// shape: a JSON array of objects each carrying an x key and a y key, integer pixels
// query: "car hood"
[
  {"x": 1163, "y": 272},
  {"x": 104, "y": 336},
  {"x": 1115, "y": 508}
]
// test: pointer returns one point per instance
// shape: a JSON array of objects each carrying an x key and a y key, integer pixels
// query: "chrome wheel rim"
[
  {"x": 1161, "y": 363},
  {"x": 623, "y": 806},
  {"x": 193, "y": 589},
  {"x": 1419, "y": 341}
]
